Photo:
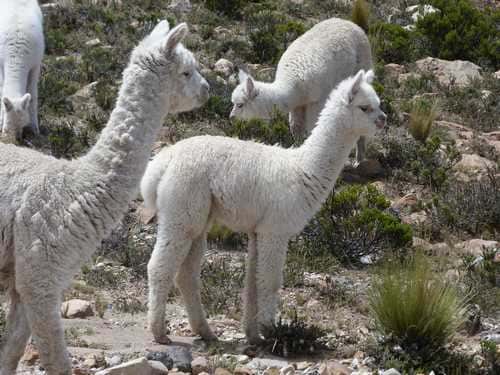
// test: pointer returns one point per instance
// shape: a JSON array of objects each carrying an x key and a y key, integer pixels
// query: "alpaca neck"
[
  {"x": 323, "y": 154},
  {"x": 272, "y": 96},
  {"x": 122, "y": 151}
]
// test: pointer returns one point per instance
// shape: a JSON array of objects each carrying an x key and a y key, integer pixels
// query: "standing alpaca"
[
  {"x": 266, "y": 191},
  {"x": 307, "y": 72},
  {"x": 54, "y": 213},
  {"x": 21, "y": 53}
]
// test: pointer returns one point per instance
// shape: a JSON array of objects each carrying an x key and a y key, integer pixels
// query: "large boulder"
[
  {"x": 140, "y": 366},
  {"x": 456, "y": 72},
  {"x": 472, "y": 166},
  {"x": 76, "y": 308}
]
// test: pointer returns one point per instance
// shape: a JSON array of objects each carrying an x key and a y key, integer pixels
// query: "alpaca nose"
[{"x": 380, "y": 122}]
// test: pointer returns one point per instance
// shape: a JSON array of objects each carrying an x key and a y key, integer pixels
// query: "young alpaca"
[
  {"x": 266, "y": 191},
  {"x": 54, "y": 213},
  {"x": 21, "y": 53},
  {"x": 306, "y": 74}
]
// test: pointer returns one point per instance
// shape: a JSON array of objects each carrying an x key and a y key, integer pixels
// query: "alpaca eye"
[
  {"x": 365, "y": 108},
  {"x": 239, "y": 105},
  {"x": 186, "y": 74}
]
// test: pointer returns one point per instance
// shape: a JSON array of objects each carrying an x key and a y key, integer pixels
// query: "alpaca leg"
[
  {"x": 297, "y": 120},
  {"x": 168, "y": 255},
  {"x": 360, "y": 150},
  {"x": 250, "y": 293},
  {"x": 188, "y": 282},
  {"x": 33, "y": 90},
  {"x": 18, "y": 332},
  {"x": 271, "y": 250}
]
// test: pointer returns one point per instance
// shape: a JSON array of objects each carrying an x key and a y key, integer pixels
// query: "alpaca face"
[
  {"x": 364, "y": 102},
  {"x": 162, "y": 52},
  {"x": 15, "y": 115},
  {"x": 245, "y": 99}
]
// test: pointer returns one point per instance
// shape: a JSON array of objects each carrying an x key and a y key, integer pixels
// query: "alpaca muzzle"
[{"x": 380, "y": 121}]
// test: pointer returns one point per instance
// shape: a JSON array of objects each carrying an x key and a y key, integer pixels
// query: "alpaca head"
[
  {"x": 247, "y": 103},
  {"x": 163, "y": 53},
  {"x": 16, "y": 115},
  {"x": 362, "y": 104}
]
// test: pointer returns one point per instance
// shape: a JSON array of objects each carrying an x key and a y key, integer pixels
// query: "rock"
[
  {"x": 84, "y": 99},
  {"x": 180, "y": 6},
  {"x": 393, "y": 71},
  {"x": 271, "y": 371},
  {"x": 161, "y": 357},
  {"x": 370, "y": 168},
  {"x": 243, "y": 370},
  {"x": 76, "y": 308},
  {"x": 303, "y": 365},
  {"x": 158, "y": 368},
  {"x": 288, "y": 370},
  {"x": 93, "y": 42},
  {"x": 114, "y": 360},
  {"x": 409, "y": 201},
  {"x": 497, "y": 74},
  {"x": 476, "y": 246},
  {"x": 242, "y": 358},
  {"x": 138, "y": 366},
  {"x": 391, "y": 371},
  {"x": 419, "y": 11},
  {"x": 456, "y": 72},
  {"x": 31, "y": 355},
  {"x": 263, "y": 363},
  {"x": 94, "y": 361},
  {"x": 221, "y": 32},
  {"x": 222, "y": 371},
  {"x": 416, "y": 218},
  {"x": 199, "y": 365},
  {"x": 473, "y": 165},
  {"x": 181, "y": 357},
  {"x": 333, "y": 368},
  {"x": 406, "y": 76},
  {"x": 224, "y": 67}
]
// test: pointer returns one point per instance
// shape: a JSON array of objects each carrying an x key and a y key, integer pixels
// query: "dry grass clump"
[
  {"x": 361, "y": 14},
  {"x": 422, "y": 117}
]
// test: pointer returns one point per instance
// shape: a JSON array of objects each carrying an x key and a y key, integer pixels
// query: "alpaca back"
[{"x": 318, "y": 60}]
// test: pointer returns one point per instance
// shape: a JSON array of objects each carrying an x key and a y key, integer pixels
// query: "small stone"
[
  {"x": 158, "y": 368},
  {"x": 180, "y": 6},
  {"x": 303, "y": 365},
  {"x": 93, "y": 42},
  {"x": 222, "y": 371},
  {"x": 391, "y": 371},
  {"x": 243, "y": 370},
  {"x": 335, "y": 368},
  {"x": 199, "y": 365},
  {"x": 393, "y": 71},
  {"x": 138, "y": 366},
  {"x": 114, "y": 360},
  {"x": 271, "y": 371},
  {"x": 263, "y": 363},
  {"x": 76, "y": 308},
  {"x": 242, "y": 358},
  {"x": 161, "y": 357},
  {"x": 224, "y": 67},
  {"x": 181, "y": 356},
  {"x": 288, "y": 370}
]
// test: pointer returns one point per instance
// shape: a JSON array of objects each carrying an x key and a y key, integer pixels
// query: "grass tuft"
[
  {"x": 361, "y": 14},
  {"x": 422, "y": 116}
]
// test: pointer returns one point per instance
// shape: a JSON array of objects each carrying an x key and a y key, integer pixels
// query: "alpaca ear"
[
  {"x": 7, "y": 104},
  {"x": 25, "y": 101},
  {"x": 161, "y": 29},
  {"x": 242, "y": 75},
  {"x": 175, "y": 36},
  {"x": 251, "y": 87},
  {"x": 358, "y": 79},
  {"x": 369, "y": 76}
]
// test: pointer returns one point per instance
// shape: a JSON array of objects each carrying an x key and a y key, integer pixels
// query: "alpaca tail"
[{"x": 150, "y": 181}]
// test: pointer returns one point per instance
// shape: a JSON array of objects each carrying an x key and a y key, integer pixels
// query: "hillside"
[{"x": 430, "y": 189}]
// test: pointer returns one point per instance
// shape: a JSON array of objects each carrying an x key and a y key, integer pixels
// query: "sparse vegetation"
[
  {"x": 415, "y": 306},
  {"x": 422, "y": 117}
]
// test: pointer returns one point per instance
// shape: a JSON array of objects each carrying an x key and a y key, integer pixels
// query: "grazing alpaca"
[
  {"x": 21, "y": 53},
  {"x": 307, "y": 72},
  {"x": 54, "y": 213},
  {"x": 266, "y": 191}
]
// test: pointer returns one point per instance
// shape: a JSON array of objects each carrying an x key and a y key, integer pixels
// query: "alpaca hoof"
[{"x": 162, "y": 339}]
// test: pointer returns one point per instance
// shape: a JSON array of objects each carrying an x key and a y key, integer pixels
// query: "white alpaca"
[
  {"x": 266, "y": 191},
  {"x": 307, "y": 72},
  {"x": 21, "y": 53},
  {"x": 54, "y": 213}
]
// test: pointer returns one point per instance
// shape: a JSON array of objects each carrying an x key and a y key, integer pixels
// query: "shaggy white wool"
[
  {"x": 54, "y": 213},
  {"x": 307, "y": 72},
  {"x": 21, "y": 53},
  {"x": 266, "y": 191}
]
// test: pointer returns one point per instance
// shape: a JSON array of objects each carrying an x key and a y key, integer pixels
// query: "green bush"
[
  {"x": 352, "y": 223},
  {"x": 230, "y": 8},
  {"x": 271, "y": 132},
  {"x": 461, "y": 31},
  {"x": 391, "y": 43},
  {"x": 415, "y": 306},
  {"x": 270, "y": 33}
]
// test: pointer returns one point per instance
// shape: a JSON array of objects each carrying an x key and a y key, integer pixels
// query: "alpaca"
[
  {"x": 307, "y": 72},
  {"x": 21, "y": 53},
  {"x": 54, "y": 213},
  {"x": 267, "y": 191}
]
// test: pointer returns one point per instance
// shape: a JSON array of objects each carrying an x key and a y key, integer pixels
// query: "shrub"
[
  {"x": 461, "y": 31},
  {"x": 422, "y": 117},
  {"x": 286, "y": 338},
  {"x": 415, "y": 306},
  {"x": 221, "y": 286},
  {"x": 361, "y": 14},
  {"x": 491, "y": 355},
  {"x": 352, "y": 224},
  {"x": 391, "y": 43},
  {"x": 270, "y": 33},
  {"x": 230, "y": 8},
  {"x": 274, "y": 131},
  {"x": 472, "y": 207}
]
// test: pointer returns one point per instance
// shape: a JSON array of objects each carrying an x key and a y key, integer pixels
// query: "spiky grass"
[
  {"x": 422, "y": 117},
  {"x": 416, "y": 306},
  {"x": 361, "y": 14}
]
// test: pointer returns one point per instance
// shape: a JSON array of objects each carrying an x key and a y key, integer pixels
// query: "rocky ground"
[{"x": 105, "y": 312}]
